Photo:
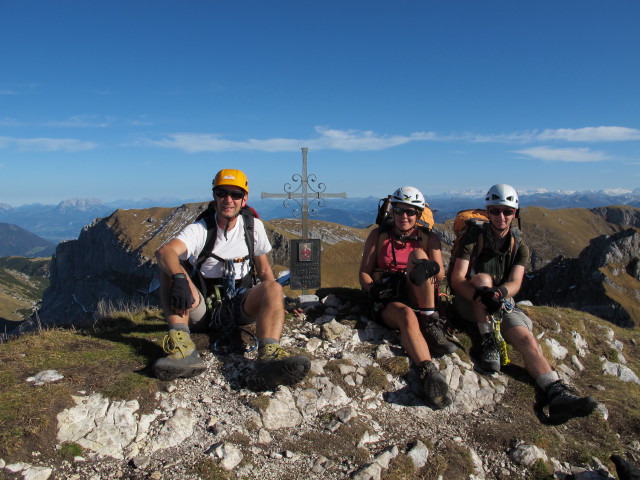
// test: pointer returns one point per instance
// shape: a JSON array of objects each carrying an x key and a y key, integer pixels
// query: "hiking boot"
[
  {"x": 490, "y": 355},
  {"x": 435, "y": 386},
  {"x": 182, "y": 360},
  {"x": 432, "y": 328},
  {"x": 564, "y": 405},
  {"x": 275, "y": 366}
]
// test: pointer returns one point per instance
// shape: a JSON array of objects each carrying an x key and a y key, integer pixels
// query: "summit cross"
[{"x": 306, "y": 192}]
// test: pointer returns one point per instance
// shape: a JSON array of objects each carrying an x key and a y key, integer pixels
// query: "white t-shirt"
[{"x": 194, "y": 237}]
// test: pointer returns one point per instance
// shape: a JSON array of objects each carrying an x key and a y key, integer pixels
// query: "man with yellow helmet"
[{"x": 227, "y": 260}]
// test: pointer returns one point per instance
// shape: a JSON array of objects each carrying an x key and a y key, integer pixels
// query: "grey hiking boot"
[
  {"x": 435, "y": 386},
  {"x": 182, "y": 360},
  {"x": 490, "y": 355},
  {"x": 275, "y": 366},
  {"x": 432, "y": 328},
  {"x": 564, "y": 405}
]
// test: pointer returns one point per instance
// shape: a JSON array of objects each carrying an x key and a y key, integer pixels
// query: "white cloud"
[
  {"x": 10, "y": 122},
  {"x": 82, "y": 121},
  {"x": 327, "y": 139},
  {"x": 46, "y": 144},
  {"x": 590, "y": 134},
  {"x": 367, "y": 140},
  {"x": 564, "y": 154}
]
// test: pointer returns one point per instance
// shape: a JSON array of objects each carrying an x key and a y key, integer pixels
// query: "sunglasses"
[
  {"x": 411, "y": 212},
  {"x": 507, "y": 212},
  {"x": 234, "y": 194}
]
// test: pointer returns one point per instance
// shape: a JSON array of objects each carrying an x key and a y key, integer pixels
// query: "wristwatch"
[{"x": 178, "y": 275}]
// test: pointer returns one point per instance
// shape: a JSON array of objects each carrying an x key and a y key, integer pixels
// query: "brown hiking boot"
[
  {"x": 435, "y": 386},
  {"x": 275, "y": 366},
  {"x": 432, "y": 328},
  {"x": 564, "y": 405}
]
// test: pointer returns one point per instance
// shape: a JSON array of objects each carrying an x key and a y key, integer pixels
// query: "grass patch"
[
  {"x": 400, "y": 468},
  {"x": 539, "y": 470},
  {"x": 449, "y": 460},
  {"x": 375, "y": 378},
  {"x": 397, "y": 366},
  {"x": 113, "y": 360},
  {"x": 70, "y": 450},
  {"x": 335, "y": 446},
  {"x": 208, "y": 469}
]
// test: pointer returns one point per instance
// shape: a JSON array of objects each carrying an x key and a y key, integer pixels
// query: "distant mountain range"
[
  {"x": 16, "y": 241},
  {"x": 65, "y": 220}
]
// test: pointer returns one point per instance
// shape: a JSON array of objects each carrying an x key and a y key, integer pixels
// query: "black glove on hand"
[
  {"x": 181, "y": 298},
  {"x": 423, "y": 269},
  {"x": 624, "y": 469},
  {"x": 491, "y": 298}
]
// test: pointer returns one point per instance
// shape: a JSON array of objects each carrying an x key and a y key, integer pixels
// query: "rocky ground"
[{"x": 359, "y": 414}]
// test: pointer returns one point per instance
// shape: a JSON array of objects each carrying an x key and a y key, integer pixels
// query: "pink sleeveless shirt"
[{"x": 402, "y": 252}]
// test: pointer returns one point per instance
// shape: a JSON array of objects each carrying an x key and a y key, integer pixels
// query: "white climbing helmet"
[
  {"x": 409, "y": 195},
  {"x": 502, "y": 194}
]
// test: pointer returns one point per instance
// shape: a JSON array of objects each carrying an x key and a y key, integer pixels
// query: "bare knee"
[
  {"x": 408, "y": 320},
  {"x": 523, "y": 340},
  {"x": 482, "y": 280}
]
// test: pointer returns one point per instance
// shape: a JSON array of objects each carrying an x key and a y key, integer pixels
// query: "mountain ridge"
[{"x": 64, "y": 220}]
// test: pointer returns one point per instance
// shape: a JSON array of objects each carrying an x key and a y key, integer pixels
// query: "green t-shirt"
[{"x": 496, "y": 263}]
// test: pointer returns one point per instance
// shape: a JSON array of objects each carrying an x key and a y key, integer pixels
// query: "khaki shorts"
[
  {"x": 199, "y": 320},
  {"x": 516, "y": 318}
]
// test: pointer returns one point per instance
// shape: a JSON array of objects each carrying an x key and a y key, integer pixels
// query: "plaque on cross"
[{"x": 303, "y": 195}]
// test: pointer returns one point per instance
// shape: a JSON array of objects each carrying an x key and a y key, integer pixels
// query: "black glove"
[
  {"x": 491, "y": 298},
  {"x": 423, "y": 269},
  {"x": 181, "y": 297},
  {"x": 624, "y": 469}
]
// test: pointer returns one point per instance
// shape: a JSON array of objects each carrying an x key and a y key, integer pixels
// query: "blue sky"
[{"x": 134, "y": 99}]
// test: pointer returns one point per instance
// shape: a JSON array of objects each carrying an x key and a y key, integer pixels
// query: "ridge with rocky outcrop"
[
  {"x": 112, "y": 260},
  {"x": 604, "y": 280}
]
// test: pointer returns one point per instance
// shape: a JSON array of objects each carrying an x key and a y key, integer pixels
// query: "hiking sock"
[
  {"x": 546, "y": 379},
  {"x": 267, "y": 341},
  {"x": 182, "y": 327}
]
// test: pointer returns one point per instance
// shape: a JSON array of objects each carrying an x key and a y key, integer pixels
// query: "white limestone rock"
[
  {"x": 281, "y": 411},
  {"x": 419, "y": 454},
  {"x": 175, "y": 430},
  {"x": 526, "y": 455},
  {"x": 46, "y": 376},
  {"x": 623, "y": 372},
  {"x": 557, "y": 350}
]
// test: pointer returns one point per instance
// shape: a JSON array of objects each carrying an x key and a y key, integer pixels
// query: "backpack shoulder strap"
[
  {"x": 212, "y": 230},
  {"x": 249, "y": 234},
  {"x": 516, "y": 241},
  {"x": 475, "y": 231},
  {"x": 425, "y": 232}
]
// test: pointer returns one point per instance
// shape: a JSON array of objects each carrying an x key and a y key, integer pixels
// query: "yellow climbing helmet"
[{"x": 231, "y": 176}]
